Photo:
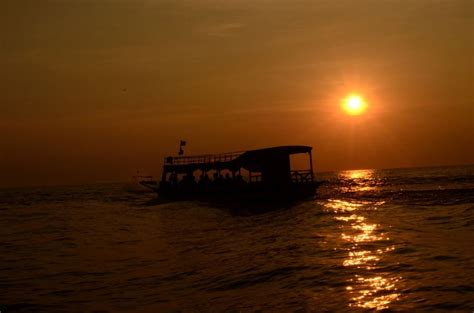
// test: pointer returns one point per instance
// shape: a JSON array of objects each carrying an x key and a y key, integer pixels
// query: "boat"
[{"x": 262, "y": 174}]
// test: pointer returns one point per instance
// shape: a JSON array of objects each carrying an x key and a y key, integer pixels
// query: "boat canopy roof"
[
  {"x": 257, "y": 160},
  {"x": 252, "y": 160},
  {"x": 273, "y": 151}
]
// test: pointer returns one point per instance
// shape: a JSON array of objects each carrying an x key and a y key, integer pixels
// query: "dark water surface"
[{"x": 398, "y": 240}]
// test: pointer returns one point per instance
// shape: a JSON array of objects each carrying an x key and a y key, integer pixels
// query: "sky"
[{"x": 94, "y": 90}]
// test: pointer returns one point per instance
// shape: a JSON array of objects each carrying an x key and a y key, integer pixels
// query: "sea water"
[{"x": 397, "y": 240}]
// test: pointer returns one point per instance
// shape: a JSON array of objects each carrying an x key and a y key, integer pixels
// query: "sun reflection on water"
[
  {"x": 359, "y": 180},
  {"x": 374, "y": 292},
  {"x": 342, "y": 206},
  {"x": 357, "y": 174},
  {"x": 368, "y": 289},
  {"x": 357, "y": 258}
]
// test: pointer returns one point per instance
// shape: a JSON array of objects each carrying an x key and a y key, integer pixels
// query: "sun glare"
[{"x": 354, "y": 104}]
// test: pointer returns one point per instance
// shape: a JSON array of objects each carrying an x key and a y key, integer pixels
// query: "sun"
[{"x": 354, "y": 104}]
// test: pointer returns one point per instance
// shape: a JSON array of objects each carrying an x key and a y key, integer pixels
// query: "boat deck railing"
[
  {"x": 301, "y": 176},
  {"x": 296, "y": 177},
  {"x": 203, "y": 159}
]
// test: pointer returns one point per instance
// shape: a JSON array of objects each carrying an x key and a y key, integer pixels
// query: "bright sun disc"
[{"x": 354, "y": 105}]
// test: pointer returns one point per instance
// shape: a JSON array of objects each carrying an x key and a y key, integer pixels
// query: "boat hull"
[{"x": 251, "y": 193}]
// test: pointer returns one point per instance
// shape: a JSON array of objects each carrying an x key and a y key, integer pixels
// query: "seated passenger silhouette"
[
  {"x": 227, "y": 181},
  {"x": 188, "y": 183},
  {"x": 173, "y": 180},
  {"x": 204, "y": 182}
]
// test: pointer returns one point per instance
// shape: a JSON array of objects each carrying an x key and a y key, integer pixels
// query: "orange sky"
[{"x": 92, "y": 90}]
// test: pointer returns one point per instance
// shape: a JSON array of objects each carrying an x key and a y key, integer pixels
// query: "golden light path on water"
[
  {"x": 363, "y": 180},
  {"x": 368, "y": 289}
]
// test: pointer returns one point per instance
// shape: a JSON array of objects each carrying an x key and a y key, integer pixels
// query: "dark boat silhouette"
[{"x": 268, "y": 176}]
